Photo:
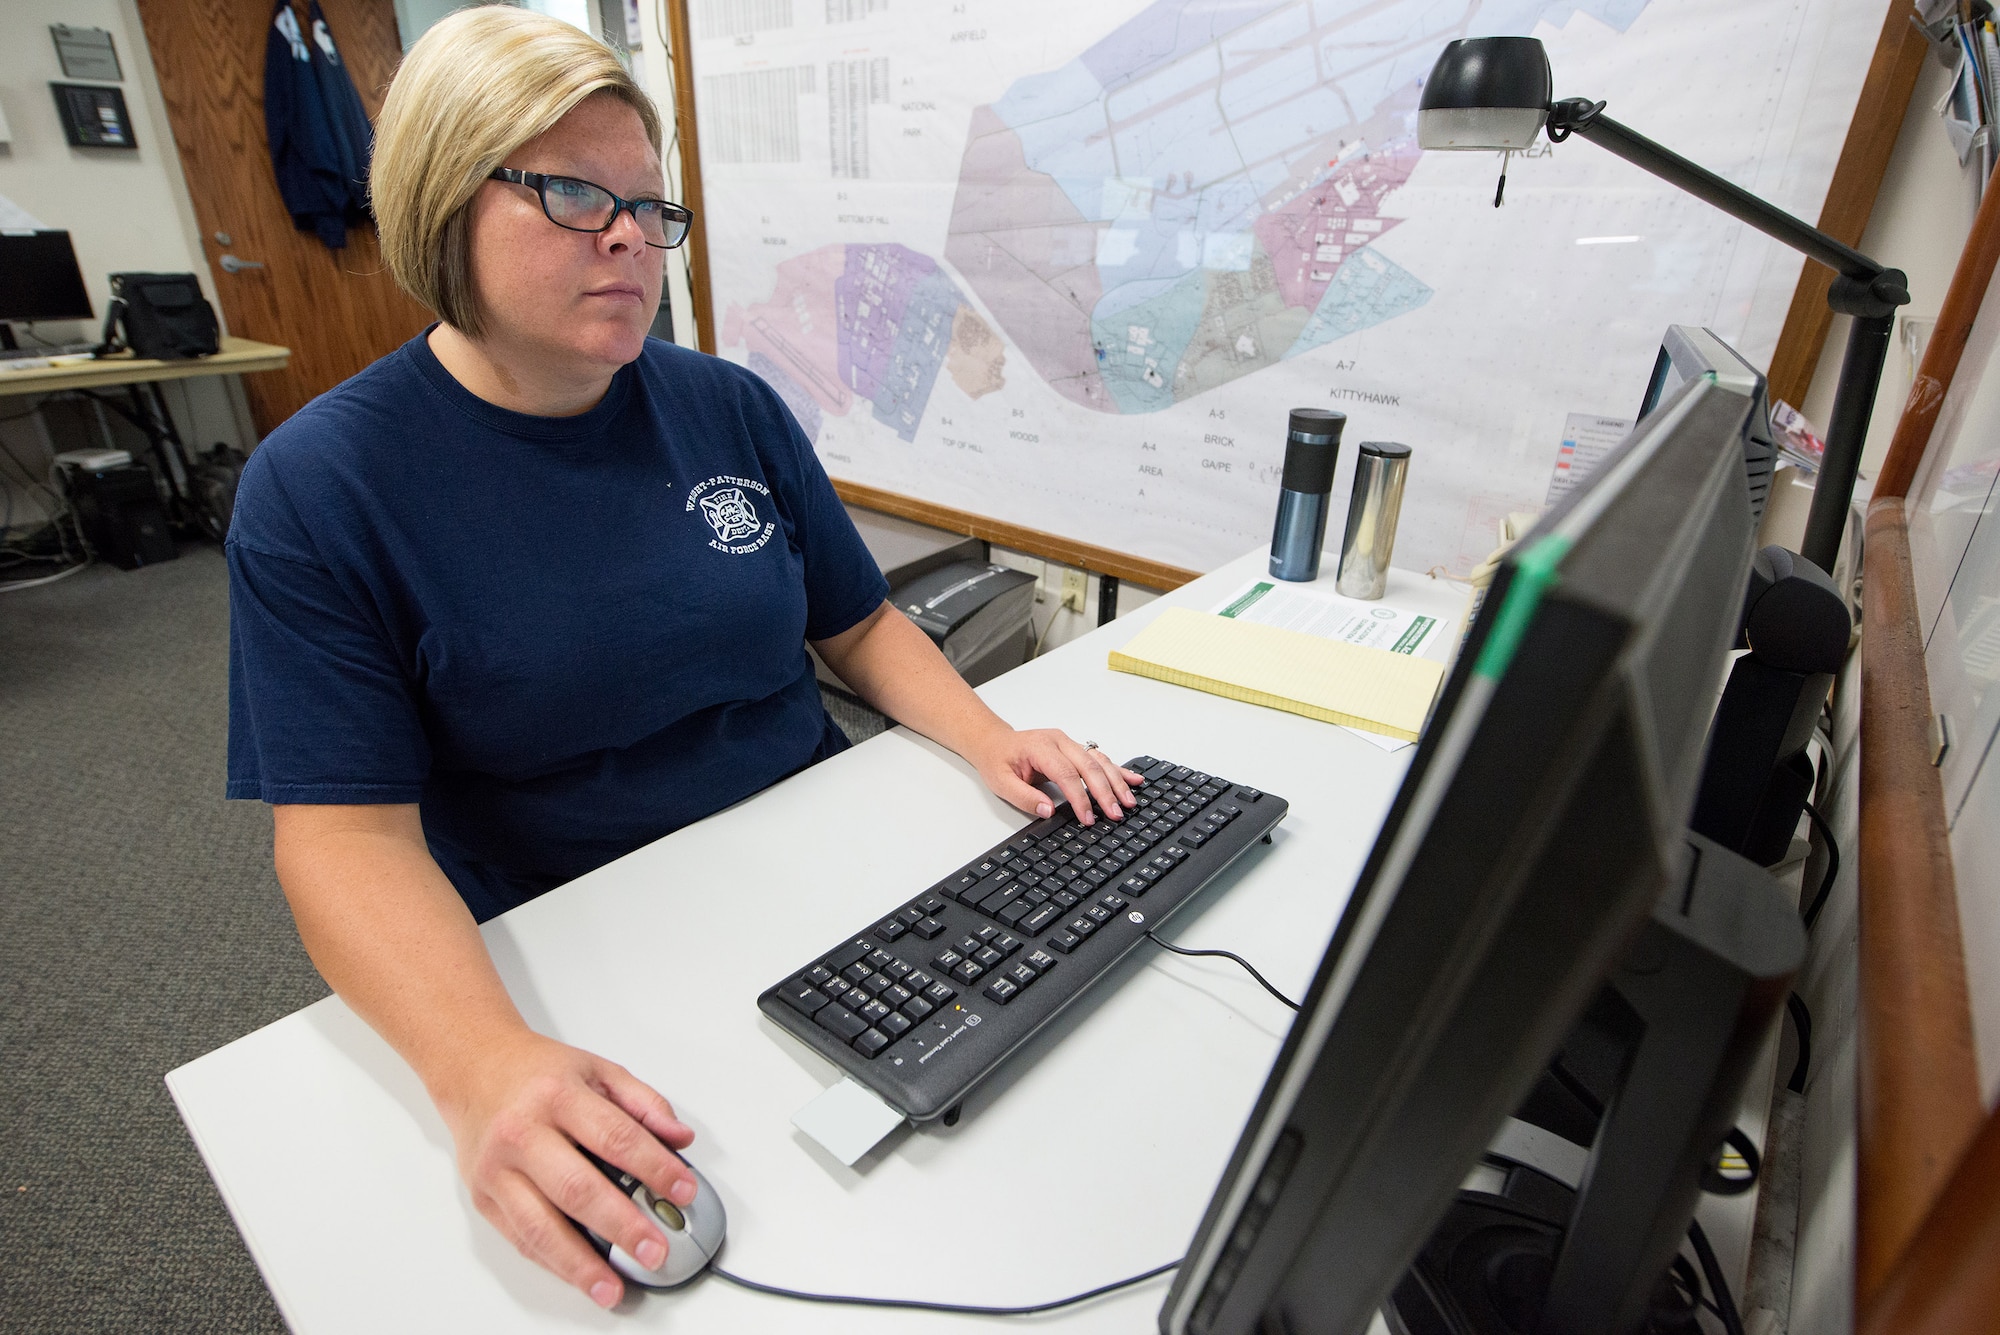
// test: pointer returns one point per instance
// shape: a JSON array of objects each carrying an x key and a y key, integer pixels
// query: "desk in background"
[{"x": 140, "y": 377}]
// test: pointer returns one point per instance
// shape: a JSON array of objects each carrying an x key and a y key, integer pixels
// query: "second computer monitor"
[
  {"x": 40, "y": 279},
  {"x": 1541, "y": 817}
]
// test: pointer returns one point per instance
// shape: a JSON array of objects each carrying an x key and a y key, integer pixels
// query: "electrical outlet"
[{"x": 1075, "y": 585}]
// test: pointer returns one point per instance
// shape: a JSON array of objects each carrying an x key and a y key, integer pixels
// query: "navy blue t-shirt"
[{"x": 563, "y": 636}]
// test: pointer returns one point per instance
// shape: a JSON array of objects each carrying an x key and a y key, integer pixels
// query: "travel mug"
[
  {"x": 1312, "y": 445},
  {"x": 1372, "y": 509}
]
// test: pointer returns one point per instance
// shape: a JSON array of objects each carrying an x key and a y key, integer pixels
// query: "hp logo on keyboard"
[{"x": 1136, "y": 917}]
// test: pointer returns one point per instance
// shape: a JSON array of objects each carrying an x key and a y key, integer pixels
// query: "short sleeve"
[
  {"x": 319, "y": 710},
  {"x": 843, "y": 583}
]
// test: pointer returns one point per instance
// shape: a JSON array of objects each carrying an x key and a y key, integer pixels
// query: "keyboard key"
[
  {"x": 917, "y": 1008},
  {"x": 889, "y": 930},
  {"x": 1159, "y": 770},
  {"x": 928, "y": 927},
  {"x": 911, "y": 915},
  {"x": 1023, "y": 974},
  {"x": 872, "y": 1011},
  {"x": 947, "y": 960},
  {"x": 968, "y": 944},
  {"x": 1247, "y": 794},
  {"x": 1002, "y": 991},
  {"x": 870, "y": 1042},
  {"x": 918, "y": 980},
  {"x": 1068, "y": 899},
  {"x": 856, "y": 973},
  {"x": 1083, "y": 924},
  {"x": 1095, "y": 877},
  {"x": 971, "y": 895},
  {"x": 988, "y": 957},
  {"x": 1035, "y": 898},
  {"x": 1098, "y": 913},
  {"x": 880, "y": 959},
  {"x": 1042, "y": 917},
  {"x": 1017, "y": 865},
  {"x": 803, "y": 996},
  {"x": 837, "y": 987},
  {"x": 1194, "y": 838},
  {"x": 895, "y": 1026},
  {"x": 839, "y": 1021},
  {"x": 939, "y": 993},
  {"x": 896, "y": 996},
  {"x": 1065, "y": 941},
  {"x": 878, "y": 983},
  {"x": 1015, "y": 912},
  {"x": 986, "y": 933},
  {"x": 1040, "y": 961},
  {"x": 1199, "y": 780},
  {"x": 1006, "y": 944},
  {"x": 931, "y": 904},
  {"x": 1111, "y": 901},
  {"x": 1135, "y": 886},
  {"x": 1177, "y": 854},
  {"x": 968, "y": 971},
  {"x": 985, "y": 867},
  {"x": 819, "y": 975},
  {"x": 1162, "y": 862},
  {"x": 898, "y": 971},
  {"x": 1179, "y": 773},
  {"x": 965, "y": 880},
  {"x": 846, "y": 955}
]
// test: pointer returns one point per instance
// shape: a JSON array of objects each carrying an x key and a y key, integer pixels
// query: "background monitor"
[
  {"x": 1543, "y": 814},
  {"x": 1689, "y": 351},
  {"x": 39, "y": 278}
]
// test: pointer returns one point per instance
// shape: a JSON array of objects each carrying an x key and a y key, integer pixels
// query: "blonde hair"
[{"x": 478, "y": 85}]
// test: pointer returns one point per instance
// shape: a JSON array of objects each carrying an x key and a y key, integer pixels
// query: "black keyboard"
[{"x": 926, "y": 1002}]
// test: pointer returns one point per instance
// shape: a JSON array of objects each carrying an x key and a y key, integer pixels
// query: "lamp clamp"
[
  {"x": 1571, "y": 114},
  {"x": 1871, "y": 298}
]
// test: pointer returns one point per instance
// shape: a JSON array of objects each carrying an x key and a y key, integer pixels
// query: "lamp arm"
[{"x": 1581, "y": 117}]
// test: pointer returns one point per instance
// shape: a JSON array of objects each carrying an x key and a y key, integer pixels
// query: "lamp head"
[{"x": 1486, "y": 93}]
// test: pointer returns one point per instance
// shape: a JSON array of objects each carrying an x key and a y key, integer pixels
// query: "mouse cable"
[
  {"x": 965, "y": 1308},
  {"x": 1248, "y": 967}
]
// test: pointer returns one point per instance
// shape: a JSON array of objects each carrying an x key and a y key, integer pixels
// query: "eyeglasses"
[{"x": 582, "y": 206}]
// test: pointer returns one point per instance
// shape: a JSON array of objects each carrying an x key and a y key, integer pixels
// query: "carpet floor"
[{"x": 140, "y": 927}]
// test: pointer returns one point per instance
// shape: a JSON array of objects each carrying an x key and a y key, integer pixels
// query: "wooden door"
[{"x": 337, "y": 310}]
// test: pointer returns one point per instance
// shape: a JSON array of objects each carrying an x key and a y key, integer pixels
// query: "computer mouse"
[{"x": 694, "y": 1232}]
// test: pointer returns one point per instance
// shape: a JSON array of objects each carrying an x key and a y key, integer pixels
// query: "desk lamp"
[{"x": 1492, "y": 94}]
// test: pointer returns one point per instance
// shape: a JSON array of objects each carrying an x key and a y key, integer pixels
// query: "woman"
[{"x": 533, "y": 591}]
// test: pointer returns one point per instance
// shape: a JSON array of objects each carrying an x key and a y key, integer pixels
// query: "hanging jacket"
[
  {"x": 319, "y": 143},
  {"x": 353, "y": 136}
]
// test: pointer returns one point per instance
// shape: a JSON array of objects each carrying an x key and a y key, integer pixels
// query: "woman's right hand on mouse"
[{"x": 517, "y": 1112}]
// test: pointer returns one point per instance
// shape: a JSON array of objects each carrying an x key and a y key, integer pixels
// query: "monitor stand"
[{"x": 1550, "y": 1238}]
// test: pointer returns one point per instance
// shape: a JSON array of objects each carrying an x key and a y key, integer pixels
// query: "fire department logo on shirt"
[{"x": 728, "y": 504}]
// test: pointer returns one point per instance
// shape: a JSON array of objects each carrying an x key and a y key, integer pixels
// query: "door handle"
[{"x": 230, "y": 264}]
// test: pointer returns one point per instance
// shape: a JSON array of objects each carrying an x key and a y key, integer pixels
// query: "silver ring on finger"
[{"x": 1090, "y": 746}]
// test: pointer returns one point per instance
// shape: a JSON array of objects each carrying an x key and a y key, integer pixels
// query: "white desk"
[{"x": 1092, "y": 1162}]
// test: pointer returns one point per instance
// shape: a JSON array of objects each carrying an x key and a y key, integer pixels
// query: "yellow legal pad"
[{"x": 1371, "y": 689}]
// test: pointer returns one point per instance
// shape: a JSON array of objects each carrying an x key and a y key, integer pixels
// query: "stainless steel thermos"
[
  {"x": 1312, "y": 446},
  {"x": 1379, "y": 471}
]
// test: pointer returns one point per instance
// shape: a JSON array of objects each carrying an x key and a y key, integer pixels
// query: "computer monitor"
[
  {"x": 1689, "y": 351},
  {"x": 1543, "y": 813},
  {"x": 40, "y": 280}
]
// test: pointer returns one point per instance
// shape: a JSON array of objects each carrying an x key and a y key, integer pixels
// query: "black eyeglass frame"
[{"x": 539, "y": 183}]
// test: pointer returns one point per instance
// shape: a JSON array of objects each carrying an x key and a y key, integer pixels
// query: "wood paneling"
[
  {"x": 1049, "y": 546},
  {"x": 680, "y": 54},
  {"x": 336, "y": 310},
  {"x": 1850, "y": 198},
  {"x": 1919, "y": 1102},
  {"x": 1948, "y": 1281},
  {"x": 1969, "y": 284}
]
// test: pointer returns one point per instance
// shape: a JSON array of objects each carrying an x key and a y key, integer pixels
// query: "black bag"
[{"x": 162, "y": 315}]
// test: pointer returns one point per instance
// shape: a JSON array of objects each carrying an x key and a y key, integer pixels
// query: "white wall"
[
  {"x": 124, "y": 209},
  {"x": 1922, "y": 216}
]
